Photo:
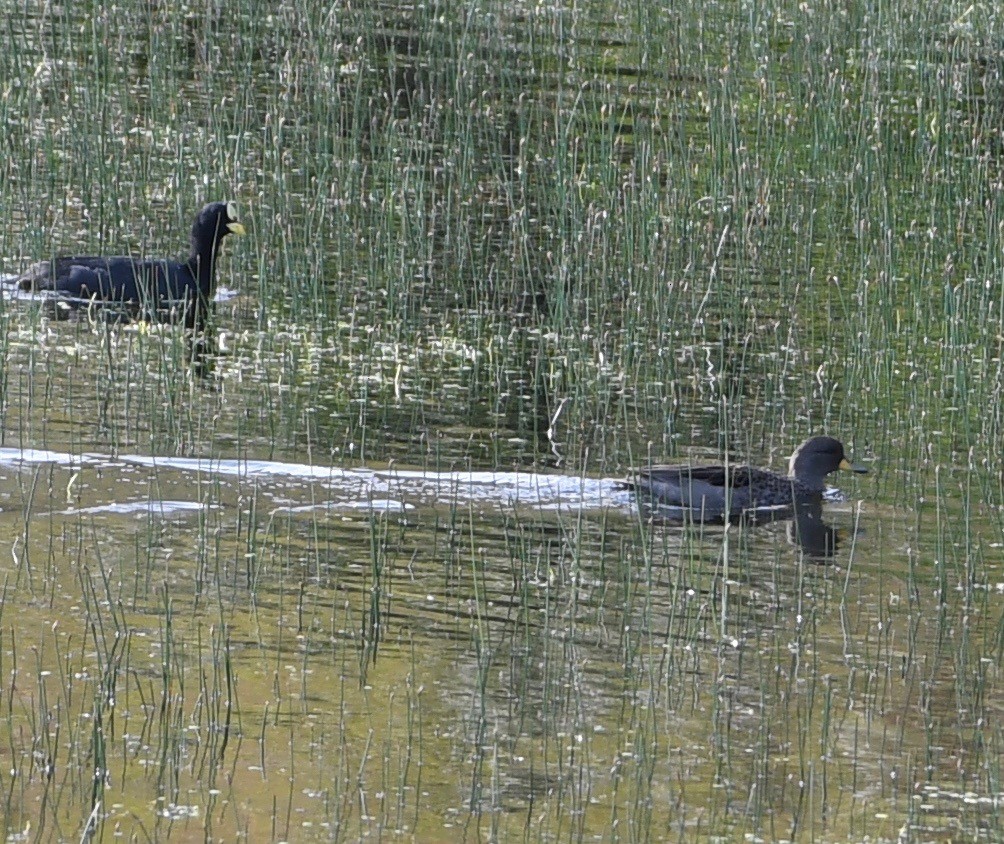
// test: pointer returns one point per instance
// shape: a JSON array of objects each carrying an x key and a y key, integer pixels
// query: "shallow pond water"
[{"x": 369, "y": 572}]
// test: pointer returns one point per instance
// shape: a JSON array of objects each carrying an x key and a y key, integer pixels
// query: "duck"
[
  {"x": 716, "y": 492},
  {"x": 152, "y": 287}
]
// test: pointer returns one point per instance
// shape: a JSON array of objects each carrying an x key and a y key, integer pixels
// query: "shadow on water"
[
  {"x": 196, "y": 320},
  {"x": 806, "y": 527}
]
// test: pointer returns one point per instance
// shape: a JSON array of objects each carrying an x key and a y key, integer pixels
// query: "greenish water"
[{"x": 546, "y": 244}]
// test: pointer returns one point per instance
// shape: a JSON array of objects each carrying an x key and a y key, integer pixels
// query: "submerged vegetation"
[{"x": 504, "y": 237}]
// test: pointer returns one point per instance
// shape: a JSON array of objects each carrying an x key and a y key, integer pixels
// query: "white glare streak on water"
[{"x": 385, "y": 489}]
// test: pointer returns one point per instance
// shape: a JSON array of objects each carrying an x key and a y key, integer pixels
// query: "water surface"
[{"x": 371, "y": 574}]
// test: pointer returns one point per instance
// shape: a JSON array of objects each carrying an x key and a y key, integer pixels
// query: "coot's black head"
[{"x": 213, "y": 223}]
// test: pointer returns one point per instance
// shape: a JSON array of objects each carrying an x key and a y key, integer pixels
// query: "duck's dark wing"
[
  {"x": 720, "y": 477},
  {"x": 121, "y": 279},
  {"x": 713, "y": 490}
]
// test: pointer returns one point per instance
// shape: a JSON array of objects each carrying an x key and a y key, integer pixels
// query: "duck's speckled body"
[{"x": 725, "y": 491}]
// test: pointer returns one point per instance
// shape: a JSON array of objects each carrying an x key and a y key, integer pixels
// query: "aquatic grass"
[
  {"x": 6, "y": 359},
  {"x": 564, "y": 239}
]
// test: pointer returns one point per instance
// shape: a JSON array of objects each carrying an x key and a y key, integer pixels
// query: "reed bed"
[{"x": 494, "y": 237}]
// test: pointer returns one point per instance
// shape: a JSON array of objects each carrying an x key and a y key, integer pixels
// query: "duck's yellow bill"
[{"x": 853, "y": 467}]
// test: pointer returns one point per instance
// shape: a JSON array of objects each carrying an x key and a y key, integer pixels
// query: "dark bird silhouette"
[
  {"x": 151, "y": 288},
  {"x": 717, "y": 492}
]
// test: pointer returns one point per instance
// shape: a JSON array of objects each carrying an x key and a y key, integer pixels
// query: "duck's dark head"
[{"x": 814, "y": 459}]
